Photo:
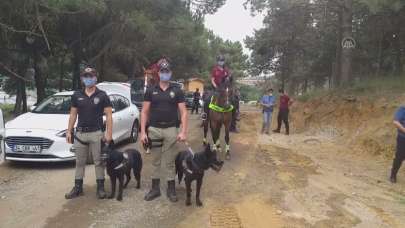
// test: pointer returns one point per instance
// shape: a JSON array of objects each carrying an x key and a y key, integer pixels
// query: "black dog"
[
  {"x": 120, "y": 164},
  {"x": 193, "y": 166}
]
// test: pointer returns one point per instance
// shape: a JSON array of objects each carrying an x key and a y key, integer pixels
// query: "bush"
[
  {"x": 383, "y": 85},
  {"x": 7, "y": 111}
]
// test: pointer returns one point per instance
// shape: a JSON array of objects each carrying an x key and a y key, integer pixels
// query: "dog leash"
[
  {"x": 192, "y": 156},
  {"x": 189, "y": 148}
]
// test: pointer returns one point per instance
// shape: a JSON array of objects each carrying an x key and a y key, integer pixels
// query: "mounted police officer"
[
  {"x": 219, "y": 74},
  {"x": 89, "y": 106},
  {"x": 160, "y": 109}
]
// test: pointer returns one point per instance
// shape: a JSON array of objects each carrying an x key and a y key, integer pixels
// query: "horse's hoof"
[{"x": 228, "y": 156}]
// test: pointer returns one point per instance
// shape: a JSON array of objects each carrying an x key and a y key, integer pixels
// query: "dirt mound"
[{"x": 362, "y": 123}]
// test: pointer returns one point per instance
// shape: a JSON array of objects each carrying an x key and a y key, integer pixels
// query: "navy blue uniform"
[{"x": 400, "y": 150}]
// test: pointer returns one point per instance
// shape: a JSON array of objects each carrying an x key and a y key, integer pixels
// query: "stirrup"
[{"x": 204, "y": 116}]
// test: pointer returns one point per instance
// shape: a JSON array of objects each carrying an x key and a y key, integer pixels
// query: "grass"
[
  {"x": 7, "y": 111},
  {"x": 377, "y": 86}
]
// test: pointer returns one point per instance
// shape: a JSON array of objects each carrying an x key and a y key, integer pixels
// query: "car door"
[
  {"x": 120, "y": 117},
  {"x": 2, "y": 135},
  {"x": 129, "y": 115}
]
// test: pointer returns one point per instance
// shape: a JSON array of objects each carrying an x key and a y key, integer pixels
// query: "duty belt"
[
  {"x": 163, "y": 124},
  {"x": 88, "y": 129}
]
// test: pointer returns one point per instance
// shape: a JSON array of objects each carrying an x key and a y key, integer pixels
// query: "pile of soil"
[{"x": 362, "y": 123}]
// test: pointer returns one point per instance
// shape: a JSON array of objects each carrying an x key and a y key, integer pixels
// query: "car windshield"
[
  {"x": 189, "y": 95},
  {"x": 54, "y": 105}
]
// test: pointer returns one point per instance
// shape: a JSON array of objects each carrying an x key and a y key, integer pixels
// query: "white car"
[{"x": 39, "y": 136}]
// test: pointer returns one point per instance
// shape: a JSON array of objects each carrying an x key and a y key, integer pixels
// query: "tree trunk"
[
  {"x": 397, "y": 45},
  {"x": 18, "y": 101},
  {"x": 335, "y": 80},
  {"x": 347, "y": 53},
  {"x": 24, "y": 97},
  {"x": 76, "y": 60},
  {"x": 61, "y": 73},
  {"x": 39, "y": 79},
  {"x": 380, "y": 53}
]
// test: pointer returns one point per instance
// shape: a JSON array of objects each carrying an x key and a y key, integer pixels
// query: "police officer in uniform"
[
  {"x": 160, "y": 109},
  {"x": 88, "y": 106}
]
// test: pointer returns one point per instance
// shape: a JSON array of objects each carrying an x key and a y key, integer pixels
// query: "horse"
[{"x": 218, "y": 115}]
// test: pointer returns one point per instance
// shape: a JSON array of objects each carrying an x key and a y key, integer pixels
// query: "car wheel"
[{"x": 134, "y": 132}]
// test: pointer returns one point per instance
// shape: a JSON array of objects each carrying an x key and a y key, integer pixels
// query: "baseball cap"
[
  {"x": 88, "y": 71},
  {"x": 164, "y": 65}
]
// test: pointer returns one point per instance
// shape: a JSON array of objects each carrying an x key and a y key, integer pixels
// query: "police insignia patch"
[
  {"x": 96, "y": 100},
  {"x": 172, "y": 94}
]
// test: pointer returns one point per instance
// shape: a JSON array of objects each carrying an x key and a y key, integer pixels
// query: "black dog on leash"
[
  {"x": 119, "y": 165},
  {"x": 193, "y": 166}
]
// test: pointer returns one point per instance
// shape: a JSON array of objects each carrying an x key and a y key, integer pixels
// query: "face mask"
[
  {"x": 221, "y": 63},
  {"x": 89, "y": 82},
  {"x": 164, "y": 77}
]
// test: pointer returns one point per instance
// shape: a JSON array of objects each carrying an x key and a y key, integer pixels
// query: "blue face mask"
[
  {"x": 89, "y": 82},
  {"x": 164, "y": 77}
]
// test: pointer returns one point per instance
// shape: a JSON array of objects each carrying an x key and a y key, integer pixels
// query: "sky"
[{"x": 233, "y": 22}]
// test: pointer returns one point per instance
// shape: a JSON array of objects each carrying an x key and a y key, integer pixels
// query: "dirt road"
[{"x": 271, "y": 181}]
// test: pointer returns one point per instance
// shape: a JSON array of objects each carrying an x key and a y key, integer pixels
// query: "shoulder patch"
[{"x": 172, "y": 94}]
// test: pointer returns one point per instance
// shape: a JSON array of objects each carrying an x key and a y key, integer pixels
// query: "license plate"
[{"x": 27, "y": 148}]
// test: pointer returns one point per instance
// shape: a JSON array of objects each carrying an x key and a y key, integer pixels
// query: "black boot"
[
  {"x": 396, "y": 164},
  {"x": 76, "y": 191},
  {"x": 155, "y": 191},
  {"x": 171, "y": 191},
  {"x": 100, "y": 189}
]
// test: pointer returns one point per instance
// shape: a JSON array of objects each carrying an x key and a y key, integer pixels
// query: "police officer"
[
  {"x": 196, "y": 101},
  {"x": 160, "y": 110},
  {"x": 88, "y": 106},
  {"x": 399, "y": 123}
]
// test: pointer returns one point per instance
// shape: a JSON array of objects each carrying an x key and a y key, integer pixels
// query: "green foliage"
[
  {"x": 7, "y": 110},
  {"x": 249, "y": 93},
  {"x": 119, "y": 38},
  {"x": 374, "y": 86},
  {"x": 301, "y": 41}
]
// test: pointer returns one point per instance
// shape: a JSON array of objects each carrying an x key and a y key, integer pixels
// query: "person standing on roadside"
[
  {"x": 399, "y": 123},
  {"x": 267, "y": 102},
  {"x": 160, "y": 110},
  {"x": 89, "y": 106},
  {"x": 196, "y": 101},
  {"x": 283, "y": 112}
]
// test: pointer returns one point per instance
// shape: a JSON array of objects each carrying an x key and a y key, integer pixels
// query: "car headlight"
[{"x": 62, "y": 133}]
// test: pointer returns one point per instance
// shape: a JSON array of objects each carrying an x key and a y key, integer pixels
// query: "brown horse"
[{"x": 217, "y": 118}]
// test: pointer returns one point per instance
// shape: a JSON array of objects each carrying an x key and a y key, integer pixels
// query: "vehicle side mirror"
[
  {"x": 113, "y": 110},
  {"x": 32, "y": 107}
]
